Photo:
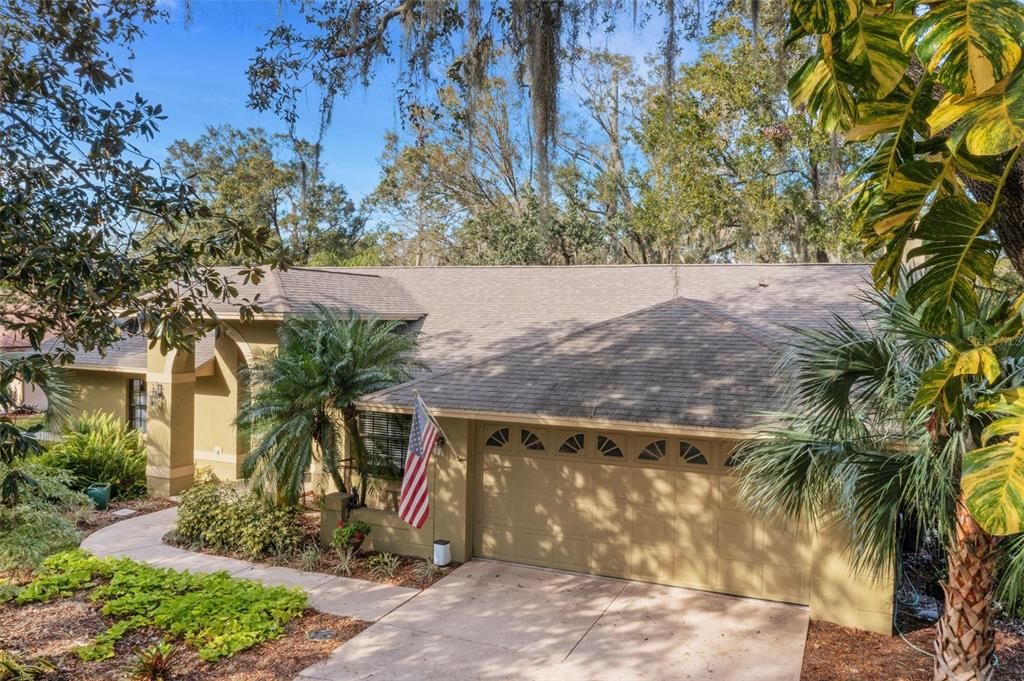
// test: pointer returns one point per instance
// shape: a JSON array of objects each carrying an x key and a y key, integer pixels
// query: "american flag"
[{"x": 414, "y": 499}]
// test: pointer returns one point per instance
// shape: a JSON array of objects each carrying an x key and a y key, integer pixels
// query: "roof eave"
[{"x": 566, "y": 421}]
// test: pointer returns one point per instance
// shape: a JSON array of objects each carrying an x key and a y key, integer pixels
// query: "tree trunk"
[{"x": 964, "y": 637}]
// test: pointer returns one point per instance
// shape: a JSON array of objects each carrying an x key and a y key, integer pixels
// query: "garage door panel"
[
  {"x": 497, "y": 480},
  {"x": 611, "y": 485},
  {"x": 497, "y": 509},
  {"x": 530, "y": 476},
  {"x": 607, "y": 558},
  {"x": 696, "y": 491},
  {"x": 786, "y": 545},
  {"x": 531, "y": 513},
  {"x": 610, "y": 522},
  {"x": 654, "y": 528},
  {"x": 570, "y": 553},
  {"x": 654, "y": 490},
  {"x": 650, "y": 563},
  {"x": 693, "y": 570},
  {"x": 728, "y": 494},
  {"x": 696, "y": 534},
  {"x": 786, "y": 583},
  {"x": 496, "y": 542},
  {"x": 533, "y": 547},
  {"x": 571, "y": 518},
  {"x": 737, "y": 536},
  {"x": 571, "y": 480},
  {"x": 739, "y": 577}
]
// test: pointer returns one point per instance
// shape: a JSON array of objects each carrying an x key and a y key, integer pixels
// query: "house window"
[
  {"x": 386, "y": 437},
  {"x": 691, "y": 454},
  {"x": 572, "y": 445},
  {"x": 498, "y": 438},
  {"x": 137, "y": 404},
  {"x": 654, "y": 451},
  {"x": 607, "y": 447},
  {"x": 531, "y": 441}
]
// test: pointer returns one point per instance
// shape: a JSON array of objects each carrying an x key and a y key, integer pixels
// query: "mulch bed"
[
  {"x": 835, "y": 653},
  {"x": 409, "y": 573},
  {"x": 53, "y": 630}
]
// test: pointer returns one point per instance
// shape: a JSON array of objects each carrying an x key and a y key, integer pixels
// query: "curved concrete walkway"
[{"x": 141, "y": 538}]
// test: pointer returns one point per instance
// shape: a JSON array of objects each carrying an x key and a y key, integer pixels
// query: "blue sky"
[{"x": 197, "y": 72}]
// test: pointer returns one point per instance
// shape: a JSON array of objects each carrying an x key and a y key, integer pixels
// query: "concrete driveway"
[{"x": 498, "y": 621}]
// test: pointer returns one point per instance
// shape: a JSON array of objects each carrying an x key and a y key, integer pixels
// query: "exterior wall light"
[{"x": 156, "y": 395}]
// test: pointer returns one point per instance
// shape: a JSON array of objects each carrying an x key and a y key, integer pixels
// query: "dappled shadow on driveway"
[{"x": 497, "y": 621}]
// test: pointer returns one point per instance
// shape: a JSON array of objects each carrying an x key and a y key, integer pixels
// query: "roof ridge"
[
  {"x": 594, "y": 266},
  {"x": 336, "y": 270},
  {"x": 276, "y": 285},
  {"x": 744, "y": 326},
  {"x": 549, "y": 341}
]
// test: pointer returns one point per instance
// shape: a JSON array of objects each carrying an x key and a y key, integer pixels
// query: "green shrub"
[
  {"x": 222, "y": 517},
  {"x": 42, "y": 520},
  {"x": 216, "y": 613},
  {"x": 101, "y": 448},
  {"x": 384, "y": 565}
]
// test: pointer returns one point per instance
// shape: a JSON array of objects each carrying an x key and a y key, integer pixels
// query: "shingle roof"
[
  {"x": 130, "y": 353},
  {"x": 703, "y": 359},
  {"x": 477, "y": 312},
  {"x": 674, "y": 363},
  {"x": 298, "y": 289}
]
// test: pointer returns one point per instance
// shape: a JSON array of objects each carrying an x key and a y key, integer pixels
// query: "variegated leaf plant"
[{"x": 937, "y": 87}]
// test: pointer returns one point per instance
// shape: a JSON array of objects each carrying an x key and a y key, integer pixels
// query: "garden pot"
[{"x": 100, "y": 495}]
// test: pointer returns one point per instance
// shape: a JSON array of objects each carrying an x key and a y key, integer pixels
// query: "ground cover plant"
[{"x": 215, "y": 613}]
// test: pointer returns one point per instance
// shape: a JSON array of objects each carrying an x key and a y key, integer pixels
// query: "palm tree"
[
  {"x": 302, "y": 397},
  {"x": 17, "y": 442},
  {"x": 873, "y": 427}
]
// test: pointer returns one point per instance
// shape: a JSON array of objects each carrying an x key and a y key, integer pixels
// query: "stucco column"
[
  {"x": 451, "y": 484},
  {"x": 170, "y": 424}
]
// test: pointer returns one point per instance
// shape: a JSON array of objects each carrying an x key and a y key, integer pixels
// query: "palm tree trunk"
[{"x": 964, "y": 637}]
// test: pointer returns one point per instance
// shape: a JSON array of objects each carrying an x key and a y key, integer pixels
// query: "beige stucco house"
[{"x": 589, "y": 415}]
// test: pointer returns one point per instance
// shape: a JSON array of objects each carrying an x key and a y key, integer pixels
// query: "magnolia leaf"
[
  {"x": 825, "y": 16},
  {"x": 816, "y": 86},
  {"x": 955, "y": 254},
  {"x": 993, "y": 476},
  {"x": 969, "y": 44},
  {"x": 987, "y": 126}
]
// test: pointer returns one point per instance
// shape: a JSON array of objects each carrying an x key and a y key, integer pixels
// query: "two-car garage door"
[{"x": 645, "y": 507}]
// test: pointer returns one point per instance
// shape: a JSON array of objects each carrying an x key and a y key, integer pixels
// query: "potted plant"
[{"x": 350, "y": 535}]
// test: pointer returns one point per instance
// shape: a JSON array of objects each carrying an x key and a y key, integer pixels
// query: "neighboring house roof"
[
  {"x": 298, "y": 290},
  {"x": 13, "y": 340},
  {"x": 703, "y": 360}
]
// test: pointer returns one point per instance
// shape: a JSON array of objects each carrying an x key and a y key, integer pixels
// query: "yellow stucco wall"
[
  {"x": 449, "y": 504},
  {"x": 218, "y": 445},
  {"x": 101, "y": 391}
]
